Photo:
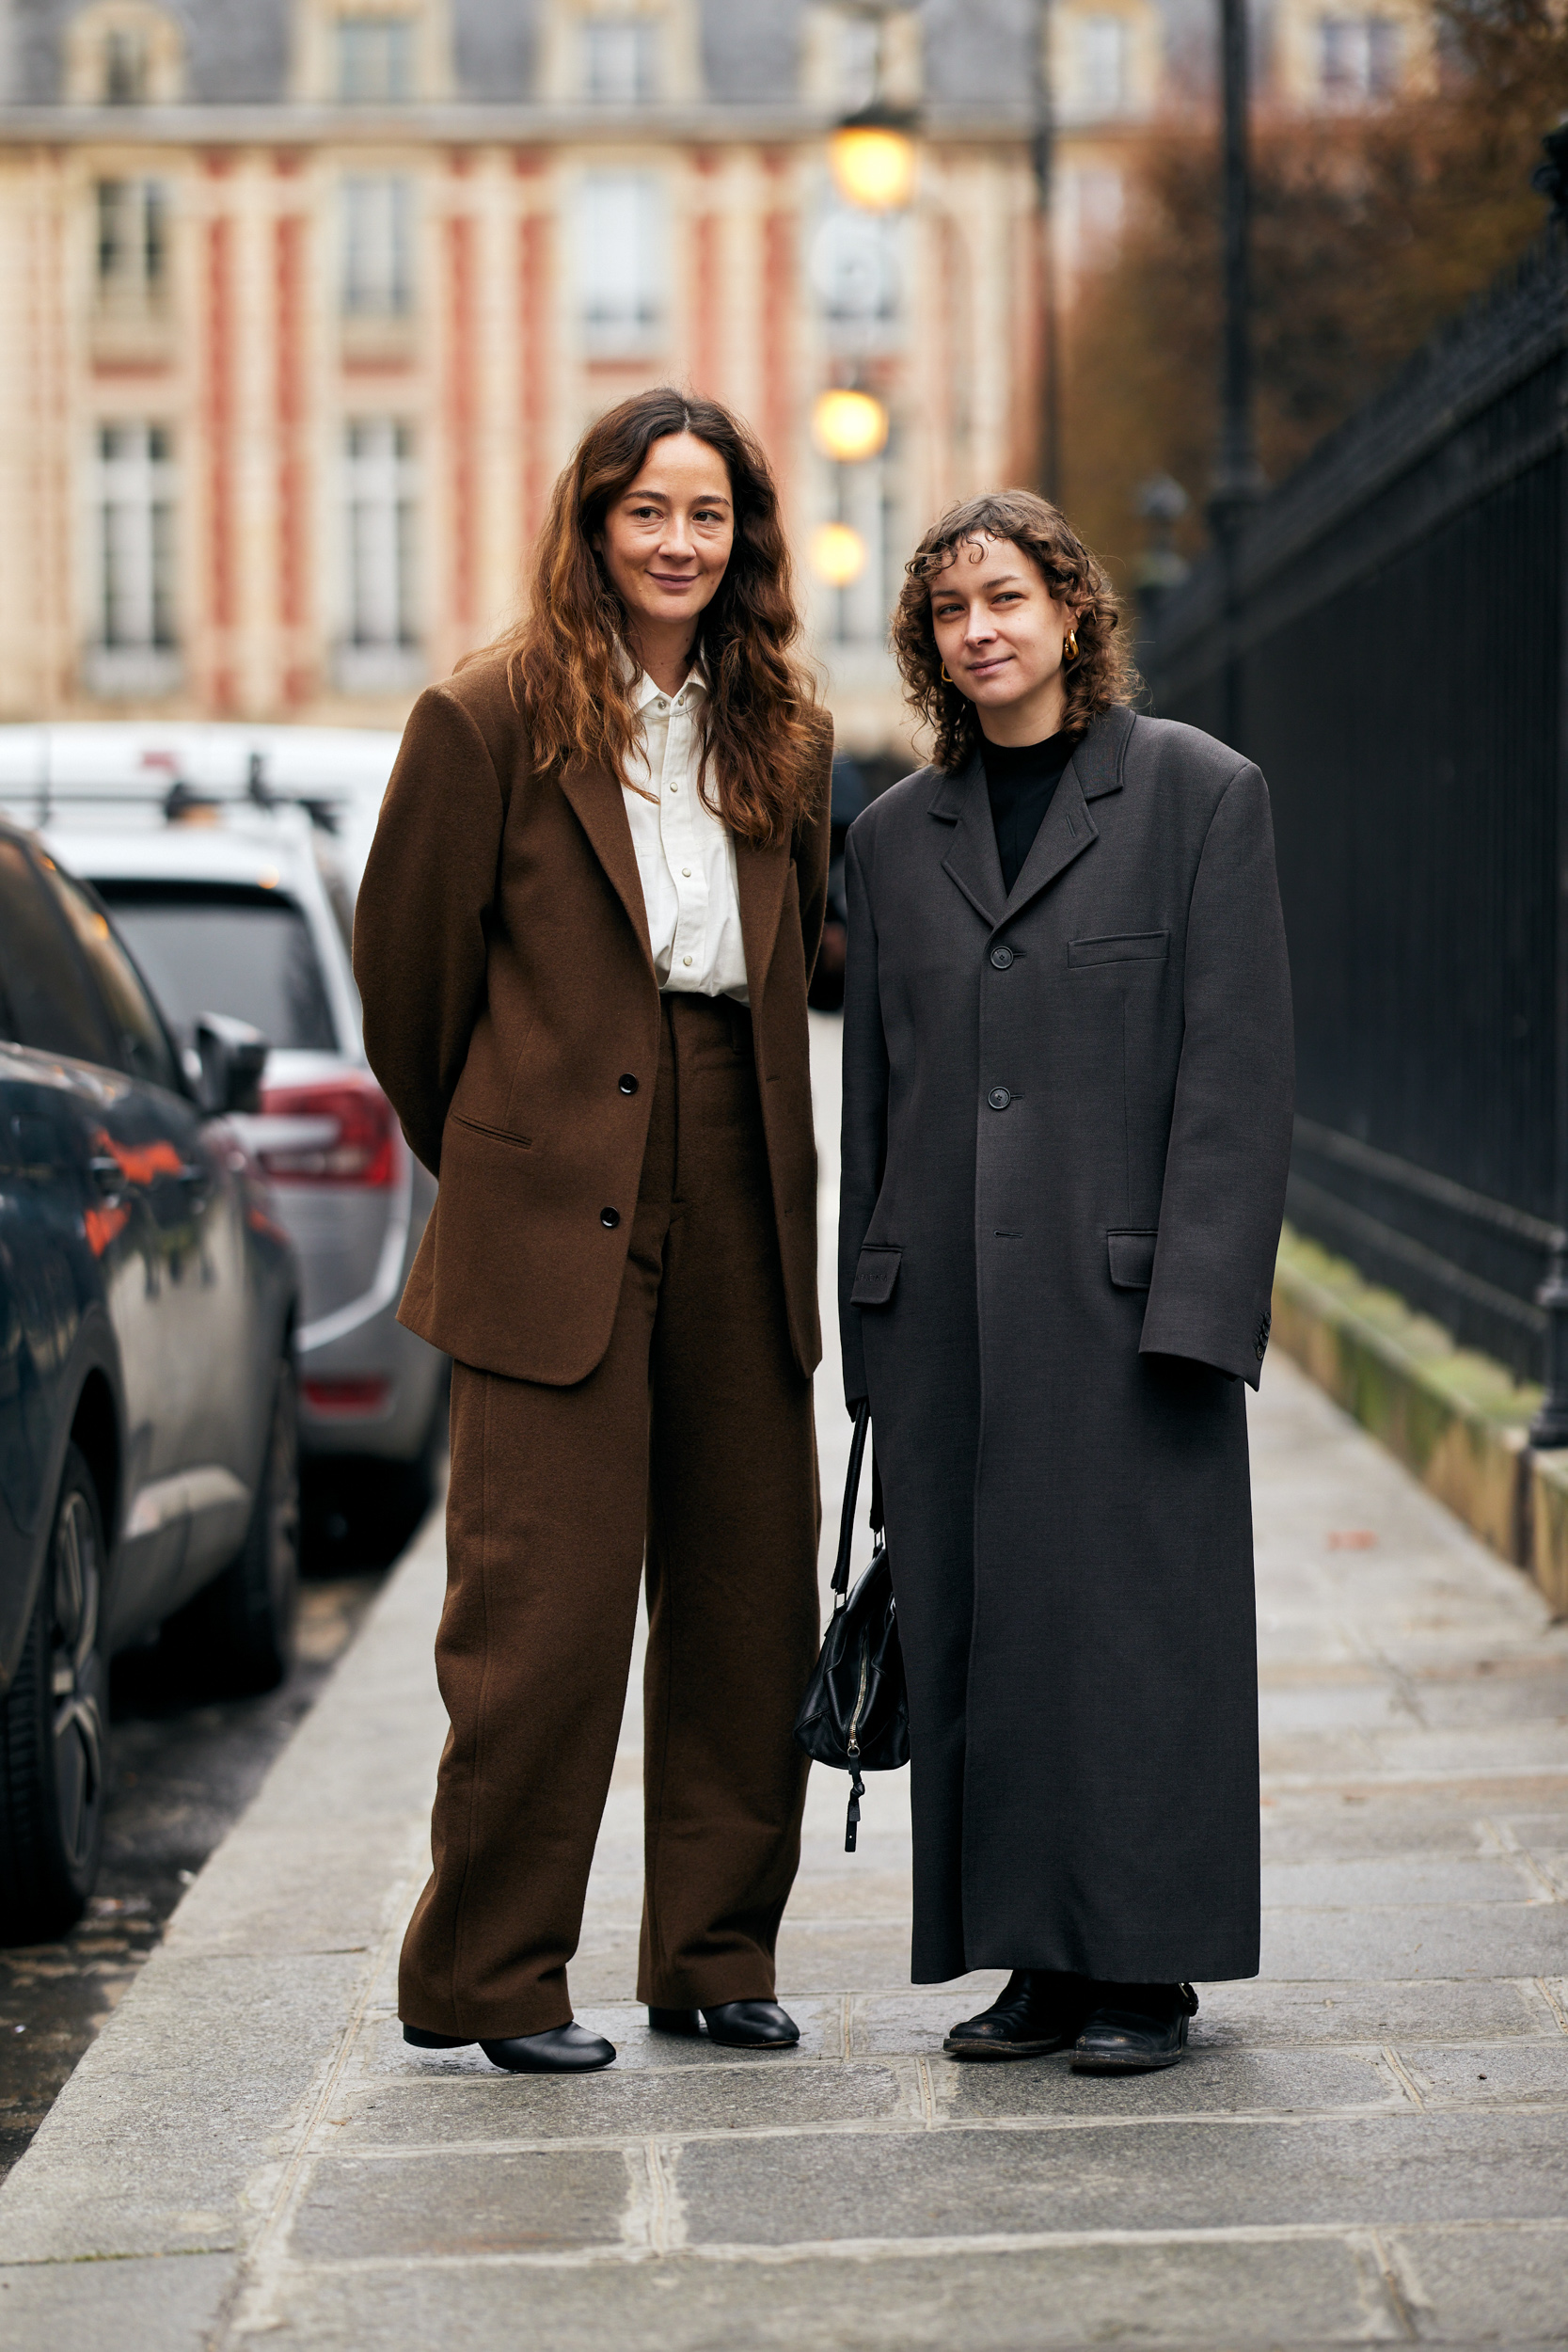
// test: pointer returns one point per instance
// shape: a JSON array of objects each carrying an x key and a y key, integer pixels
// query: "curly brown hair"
[
  {"x": 1102, "y": 674},
  {"x": 564, "y": 657}
]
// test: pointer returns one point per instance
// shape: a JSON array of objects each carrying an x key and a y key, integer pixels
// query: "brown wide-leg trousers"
[{"x": 694, "y": 1436}]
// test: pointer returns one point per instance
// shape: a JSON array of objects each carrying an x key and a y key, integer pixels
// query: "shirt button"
[
  {"x": 687, "y": 961},
  {"x": 999, "y": 1098},
  {"x": 609, "y": 1218},
  {"x": 674, "y": 788},
  {"x": 686, "y": 871},
  {"x": 627, "y": 1084},
  {"x": 1002, "y": 956}
]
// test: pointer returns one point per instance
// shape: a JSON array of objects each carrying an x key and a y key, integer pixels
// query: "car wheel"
[
  {"x": 52, "y": 1730},
  {"x": 238, "y": 1633}
]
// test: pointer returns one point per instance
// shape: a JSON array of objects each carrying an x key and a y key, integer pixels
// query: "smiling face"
[
  {"x": 1000, "y": 632},
  {"x": 665, "y": 543}
]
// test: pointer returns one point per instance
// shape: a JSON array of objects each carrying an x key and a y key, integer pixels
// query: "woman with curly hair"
[
  {"x": 583, "y": 942},
  {"x": 1067, "y": 1120}
]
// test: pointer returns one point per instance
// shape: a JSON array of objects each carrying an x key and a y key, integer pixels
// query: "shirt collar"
[{"x": 645, "y": 691}]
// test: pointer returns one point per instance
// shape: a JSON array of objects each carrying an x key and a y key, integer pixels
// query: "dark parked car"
[{"x": 147, "y": 1420}]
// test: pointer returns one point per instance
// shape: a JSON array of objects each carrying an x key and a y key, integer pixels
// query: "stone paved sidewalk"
[{"x": 1368, "y": 2144}]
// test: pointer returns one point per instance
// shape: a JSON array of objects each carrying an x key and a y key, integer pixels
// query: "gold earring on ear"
[
  {"x": 1069, "y": 645},
  {"x": 947, "y": 680}
]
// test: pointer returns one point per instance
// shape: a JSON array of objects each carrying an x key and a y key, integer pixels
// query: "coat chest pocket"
[
  {"x": 876, "y": 1273},
  {"x": 1119, "y": 948},
  {"x": 1130, "y": 1252}
]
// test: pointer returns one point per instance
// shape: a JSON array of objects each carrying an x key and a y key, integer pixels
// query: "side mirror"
[{"x": 232, "y": 1055}]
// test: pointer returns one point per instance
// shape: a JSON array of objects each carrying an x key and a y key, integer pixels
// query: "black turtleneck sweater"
[{"x": 1021, "y": 779}]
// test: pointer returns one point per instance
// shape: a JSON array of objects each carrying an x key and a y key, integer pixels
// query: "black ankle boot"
[
  {"x": 1036, "y": 2012},
  {"x": 1135, "y": 2029}
]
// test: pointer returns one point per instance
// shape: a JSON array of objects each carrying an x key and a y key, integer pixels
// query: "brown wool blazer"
[{"x": 512, "y": 1013}]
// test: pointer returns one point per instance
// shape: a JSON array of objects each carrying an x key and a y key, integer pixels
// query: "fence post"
[{"x": 1550, "y": 1426}]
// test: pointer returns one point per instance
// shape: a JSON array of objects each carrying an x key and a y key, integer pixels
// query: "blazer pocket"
[
  {"x": 492, "y": 1134},
  {"x": 876, "y": 1274},
  {"x": 1131, "y": 1255},
  {"x": 1120, "y": 947}
]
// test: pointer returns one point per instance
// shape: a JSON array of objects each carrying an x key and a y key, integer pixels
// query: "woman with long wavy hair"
[
  {"x": 583, "y": 942},
  {"x": 1066, "y": 1124}
]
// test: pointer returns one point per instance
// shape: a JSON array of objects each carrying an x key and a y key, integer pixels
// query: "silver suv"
[{"x": 236, "y": 905}]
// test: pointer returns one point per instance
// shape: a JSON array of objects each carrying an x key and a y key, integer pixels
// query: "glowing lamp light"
[
  {"x": 873, "y": 165},
  {"x": 849, "y": 425},
  {"x": 837, "y": 554}
]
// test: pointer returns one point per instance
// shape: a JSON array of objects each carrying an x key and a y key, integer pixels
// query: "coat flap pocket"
[
  {"x": 1120, "y": 947},
  {"x": 875, "y": 1275},
  {"x": 1131, "y": 1256}
]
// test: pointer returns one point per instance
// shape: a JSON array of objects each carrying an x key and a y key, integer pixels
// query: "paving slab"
[{"x": 1368, "y": 2144}]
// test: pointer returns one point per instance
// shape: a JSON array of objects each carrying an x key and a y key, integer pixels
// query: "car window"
[
  {"x": 50, "y": 1002},
  {"x": 214, "y": 947},
  {"x": 144, "y": 1047}
]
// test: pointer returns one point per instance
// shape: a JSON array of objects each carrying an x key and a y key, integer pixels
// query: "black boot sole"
[
  {"x": 957, "y": 2049},
  {"x": 1150, "y": 2062},
  {"x": 417, "y": 2039}
]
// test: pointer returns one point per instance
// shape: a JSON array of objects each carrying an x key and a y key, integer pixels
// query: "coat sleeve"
[
  {"x": 420, "y": 922},
  {"x": 864, "y": 1149},
  {"x": 812, "y": 850},
  {"x": 1230, "y": 1149}
]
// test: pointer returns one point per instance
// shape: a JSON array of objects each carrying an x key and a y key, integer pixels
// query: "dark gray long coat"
[{"x": 1067, "y": 1123}]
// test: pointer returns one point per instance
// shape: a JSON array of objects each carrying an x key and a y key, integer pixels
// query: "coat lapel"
[
  {"x": 1094, "y": 770},
  {"x": 972, "y": 861},
  {"x": 595, "y": 797},
  {"x": 760, "y": 875}
]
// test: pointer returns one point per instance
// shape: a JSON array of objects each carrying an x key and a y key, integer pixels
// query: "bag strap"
[{"x": 851, "y": 1489}]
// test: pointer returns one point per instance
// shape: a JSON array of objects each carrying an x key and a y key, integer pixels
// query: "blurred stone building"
[{"x": 305, "y": 301}]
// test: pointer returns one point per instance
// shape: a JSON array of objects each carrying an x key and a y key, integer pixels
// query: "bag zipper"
[
  {"x": 851, "y": 1746},
  {"x": 852, "y": 1750}
]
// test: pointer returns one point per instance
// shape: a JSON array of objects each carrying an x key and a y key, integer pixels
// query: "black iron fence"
[{"x": 1399, "y": 665}]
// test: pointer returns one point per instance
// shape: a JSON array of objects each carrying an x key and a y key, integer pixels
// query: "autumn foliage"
[{"x": 1370, "y": 228}]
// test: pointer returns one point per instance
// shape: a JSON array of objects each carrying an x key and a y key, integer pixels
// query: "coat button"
[
  {"x": 609, "y": 1218},
  {"x": 999, "y": 1098},
  {"x": 1001, "y": 958},
  {"x": 628, "y": 1084}
]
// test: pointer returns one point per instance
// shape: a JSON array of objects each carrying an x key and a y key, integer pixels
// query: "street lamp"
[
  {"x": 1238, "y": 477},
  {"x": 872, "y": 157},
  {"x": 837, "y": 554},
  {"x": 849, "y": 426},
  {"x": 1044, "y": 150}
]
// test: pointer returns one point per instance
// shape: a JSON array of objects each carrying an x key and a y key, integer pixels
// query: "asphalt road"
[{"x": 183, "y": 1770}]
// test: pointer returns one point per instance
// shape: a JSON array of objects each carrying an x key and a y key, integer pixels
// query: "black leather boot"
[
  {"x": 1135, "y": 2029},
  {"x": 569, "y": 2049},
  {"x": 1036, "y": 2012},
  {"x": 735, "y": 2024}
]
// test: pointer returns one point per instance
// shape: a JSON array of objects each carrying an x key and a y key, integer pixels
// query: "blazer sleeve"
[
  {"x": 420, "y": 922},
  {"x": 1229, "y": 1150},
  {"x": 863, "y": 1141},
  {"x": 813, "y": 850}
]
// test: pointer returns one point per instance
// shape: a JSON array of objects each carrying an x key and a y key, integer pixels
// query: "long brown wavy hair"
[
  {"x": 1101, "y": 675},
  {"x": 565, "y": 657}
]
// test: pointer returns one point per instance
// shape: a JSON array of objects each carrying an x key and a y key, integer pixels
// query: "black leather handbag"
[{"x": 856, "y": 1711}]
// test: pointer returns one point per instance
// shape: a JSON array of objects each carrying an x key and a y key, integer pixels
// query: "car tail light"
[
  {"x": 346, "y": 1396},
  {"x": 339, "y": 1131}
]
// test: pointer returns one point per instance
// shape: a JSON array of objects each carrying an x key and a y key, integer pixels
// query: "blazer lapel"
[
  {"x": 972, "y": 861},
  {"x": 760, "y": 875},
  {"x": 595, "y": 797},
  {"x": 1094, "y": 771}
]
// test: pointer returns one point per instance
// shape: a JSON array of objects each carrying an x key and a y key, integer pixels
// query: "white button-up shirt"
[{"x": 685, "y": 853}]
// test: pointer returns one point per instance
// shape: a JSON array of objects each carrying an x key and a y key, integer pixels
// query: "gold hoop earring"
[
  {"x": 1069, "y": 645},
  {"x": 947, "y": 680}
]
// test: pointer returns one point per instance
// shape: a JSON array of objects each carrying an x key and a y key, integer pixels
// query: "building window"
[
  {"x": 619, "y": 60},
  {"x": 135, "y": 506},
  {"x": 375, "y": 60},
  {"x": 381, "y": 491},
  {"x": 1091, "y": 204},
  {"x": 1102, "y": 61},
  {"x": 620, "y": 261},
  {"x": 1359, "y": 58},
  {"x": 125, "y": 66},
  {"x": 379, "y": 261},
  {"x": 132, "y": 246}
]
